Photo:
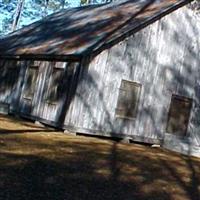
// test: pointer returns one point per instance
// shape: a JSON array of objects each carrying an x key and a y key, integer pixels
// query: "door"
[
  {"x": 56, "y": 88},
  {"x": 46, "y": 89},
  {"x": 29, "y": 89}
]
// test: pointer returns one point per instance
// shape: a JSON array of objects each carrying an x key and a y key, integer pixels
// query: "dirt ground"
[{"x": 39, "y": 163}]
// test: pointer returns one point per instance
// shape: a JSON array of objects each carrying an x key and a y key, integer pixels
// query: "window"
[
  {"x": 30, "y": 82},
  {"x": 179, "y": 114},
  {"x": 8, "y": 76},
  {"x": 128, "y": 99},
  {"x": 54, "y": 92}
]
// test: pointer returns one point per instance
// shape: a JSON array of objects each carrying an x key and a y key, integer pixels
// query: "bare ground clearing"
[{"x": 40, "y": 163}]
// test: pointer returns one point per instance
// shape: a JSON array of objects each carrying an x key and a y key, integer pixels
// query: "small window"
[
  {"x": 55, "y": 86},
  {"x": 8, "y": 76},
  {"x": 30, "y": 82},
  {"x": 179, "y": 114},
  {"x": 128, "y": 99}
]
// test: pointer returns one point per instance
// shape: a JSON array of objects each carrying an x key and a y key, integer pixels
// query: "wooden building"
[{"x": 127, "y": 69}]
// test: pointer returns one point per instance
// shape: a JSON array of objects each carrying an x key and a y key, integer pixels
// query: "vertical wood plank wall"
[
  {"x": 40, "y": 106},
  {"x": 165, "y": 58},
  {"x": 36, "y": 107}
]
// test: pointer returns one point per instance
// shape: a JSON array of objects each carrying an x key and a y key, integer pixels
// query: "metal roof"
[{"x": 73, "y": 33}]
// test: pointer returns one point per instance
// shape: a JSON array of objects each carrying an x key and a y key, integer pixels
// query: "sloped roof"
[{"x": 75, "y": 32}]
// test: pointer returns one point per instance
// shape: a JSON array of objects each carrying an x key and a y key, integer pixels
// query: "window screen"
[
  {"x": 30, "y": 83},
  {"x": 128, "y": 98},
  {"x": 179, "y": 114},
  {"x": 54, "y": 92}
]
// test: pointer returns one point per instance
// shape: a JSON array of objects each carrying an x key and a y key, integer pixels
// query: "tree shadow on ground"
[
  {"x": 42, "y": 178},
  {"x": 35, "y": 166}
]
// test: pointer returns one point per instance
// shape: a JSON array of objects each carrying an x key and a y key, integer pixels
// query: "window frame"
[
  {"x": 11, "y": 72},
  {"x": 49, "y": 84},
  {"x": 139, "y": 87},
  {"x": 25, "y": 82},
  {"x": 182, "y": 99}
]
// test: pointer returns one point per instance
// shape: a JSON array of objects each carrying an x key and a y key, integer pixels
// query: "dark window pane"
[
  {"x": 55, "y": 86},
  {"x": 30, "y": 83},
  {"x": 8, "y": 76},
  {"x": 128, "y": 99},
  {"x": 179, "y": 114}
]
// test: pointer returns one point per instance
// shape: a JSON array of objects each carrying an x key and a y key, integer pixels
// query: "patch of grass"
[{"x": 40, "y": 163}]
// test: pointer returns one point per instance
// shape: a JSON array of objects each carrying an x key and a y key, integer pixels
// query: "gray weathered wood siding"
[
  {"x": 165, "y": 58},
  {"x": 37, "y": 106}
]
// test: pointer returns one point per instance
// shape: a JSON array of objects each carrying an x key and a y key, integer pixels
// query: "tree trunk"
[
  {"x": 45, "y": 13},
  {"x": 63, "y": 4},
  {"x": 17, "y": 16}
]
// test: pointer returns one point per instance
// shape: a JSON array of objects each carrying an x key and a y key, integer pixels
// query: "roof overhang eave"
[{"x": 67, "y": 58}]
